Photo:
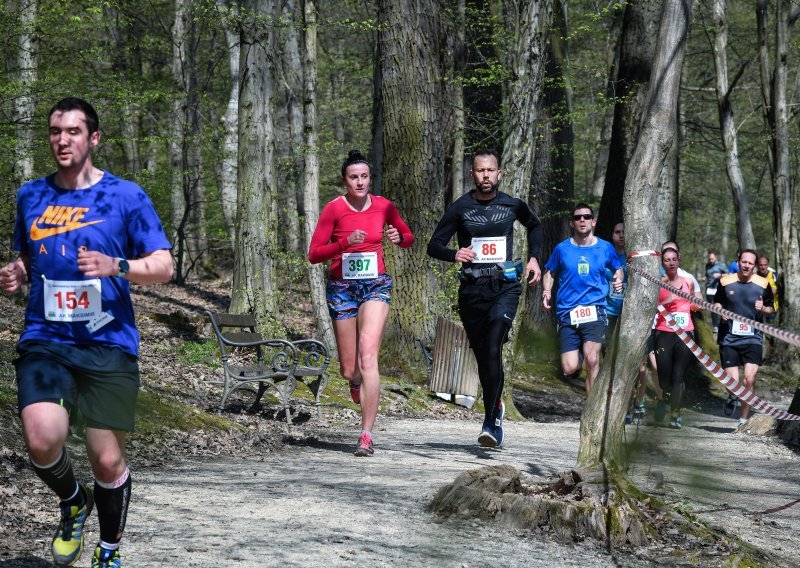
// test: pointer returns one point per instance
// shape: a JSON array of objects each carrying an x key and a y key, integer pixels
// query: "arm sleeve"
[
  {"x": 437, "y": 246},
  {"x": 394, "y": 219},
  {"x": 321, "y": 248},
  {"x": 530, "y": 221}
]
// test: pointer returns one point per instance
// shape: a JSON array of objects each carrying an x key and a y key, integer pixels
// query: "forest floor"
[{"x": 223, "y": 488}]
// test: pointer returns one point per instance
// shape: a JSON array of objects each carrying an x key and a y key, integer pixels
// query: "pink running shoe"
[
  {"x": 364, "y": 448},
  {"x": 355, "y": 392}
]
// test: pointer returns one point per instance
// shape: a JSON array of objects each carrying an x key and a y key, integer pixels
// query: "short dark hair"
[
  {"x": 712, "y": 251},
  {"x": 582, "y": 206},
  {"x": 74, "y": 103},
  {"x": 485, "y": 152},
  {"x": 354, "y": 157},
  {"x": 668, "y": 249},
  {"x": 764, "y": 257},
  {"x": 751, "y": 251}
]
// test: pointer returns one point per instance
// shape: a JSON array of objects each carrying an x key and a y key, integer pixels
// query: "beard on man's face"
[{"x": 490, "y": 189}]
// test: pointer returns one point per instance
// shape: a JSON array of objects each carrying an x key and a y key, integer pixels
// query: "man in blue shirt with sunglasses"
[{"x": 578, "y": 266}]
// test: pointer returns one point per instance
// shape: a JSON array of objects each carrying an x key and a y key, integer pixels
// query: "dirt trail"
[{"x": 314, "y": 504}]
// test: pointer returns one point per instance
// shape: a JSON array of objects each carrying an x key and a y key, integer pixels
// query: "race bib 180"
[
  {"x": 583, "y": 314},
  {"x": 489, "y": 249},
  {"x": 359, "y": 265},
  {"x": 72, "y": 300}
]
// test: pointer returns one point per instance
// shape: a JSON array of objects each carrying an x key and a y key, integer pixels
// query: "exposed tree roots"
[{"x": 583, "y": 504}]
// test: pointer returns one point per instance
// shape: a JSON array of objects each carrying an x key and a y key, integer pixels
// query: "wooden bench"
[{"x": 248, "y": 359}]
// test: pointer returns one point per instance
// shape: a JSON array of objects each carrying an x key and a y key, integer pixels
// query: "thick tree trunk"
[
  {"x": 637, "y": 46},
  {"x": 254, "y": 289},
  {"x": 602, "y": 422},
  {"x": 417, "y": 107},
  {"x": 553, "y": 180},
  {"x": 24, "y": 102},
  {"x": 786, "y": 202},
  {"x": 293, "y": 85},
  {"x": 316, "y": 276},
  {"x": 741, "y": 208},
  {"x": 230, "y": 120}
]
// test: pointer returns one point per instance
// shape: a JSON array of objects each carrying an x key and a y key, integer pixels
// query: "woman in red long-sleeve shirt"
[{"x": 350, "y": 234}]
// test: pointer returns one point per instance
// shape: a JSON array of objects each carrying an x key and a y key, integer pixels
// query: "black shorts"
[
  {"x": 486, "y": 300},
  {"x": 736, "y": 356},
  {"x": 100, "y": 382}
]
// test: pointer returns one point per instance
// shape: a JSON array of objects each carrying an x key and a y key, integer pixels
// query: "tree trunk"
[
  {"x": 786, "y": 202},
  {"x": 529, "y": 20},
  {"x": 602, "y": 422},
  {"x": 741, "y": 208},
  {"x": 637, "y": 46},
  {"x": 553, "y": 180},
  {"x": 129, "y": 120},
  {"x": 316, "y": 276},
  {"x": 24, "y": 102},
  {"x": 293, "y": 85},
  {"x": 230, "y": 121},
  {"x": 604, "y": 135},
  {"x": 417, "y": 119},
  {"x": 254, "y": 289}
]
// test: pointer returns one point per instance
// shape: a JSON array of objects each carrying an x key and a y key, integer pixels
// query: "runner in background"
[
  {"x": 714, "y": 271},
  {"x": 749, "y": 295},
  {"x": 764, "y": 270},
  {"x": 615, "y": 298},
  {"x": 579, "y": 264},
  {"x": 350, "y": 233},
  {"x": 488, "y": 295},
  {"x": 672, "y": 354}
]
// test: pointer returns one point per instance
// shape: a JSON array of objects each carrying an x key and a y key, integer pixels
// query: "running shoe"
[
  {"x": 487, "y": 438},
  {"x": 105, "y": 558},
  {"x": 498, "y": 424},
  {"x": 67, "y": 543},
  {"x": 364, "y": 448},
  {"x": 676, "y": 423},
  {"x": 742, "y": 421},
  {"x": 355, "y": 392},
  {"x": 661, "y": 410}
]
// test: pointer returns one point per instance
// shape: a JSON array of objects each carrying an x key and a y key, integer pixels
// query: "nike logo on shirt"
[{"x": 61, "y": 219}]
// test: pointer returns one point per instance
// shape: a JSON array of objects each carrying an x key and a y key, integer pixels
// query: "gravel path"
[{"x": 313, "y": 504}]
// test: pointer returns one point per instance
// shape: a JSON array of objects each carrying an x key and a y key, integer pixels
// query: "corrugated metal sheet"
[{"x": 454, "y": 369}]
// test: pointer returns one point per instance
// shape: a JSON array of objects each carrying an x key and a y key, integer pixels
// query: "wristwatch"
[{"x": 124, "y": 267}]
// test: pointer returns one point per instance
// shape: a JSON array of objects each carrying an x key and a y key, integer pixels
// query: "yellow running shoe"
[{"x": 68, "y": 541}]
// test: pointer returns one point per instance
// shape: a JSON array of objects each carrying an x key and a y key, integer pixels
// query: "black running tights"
[
  {"x": 490, "y": 367},
  {"x": 672, "y": 359}
]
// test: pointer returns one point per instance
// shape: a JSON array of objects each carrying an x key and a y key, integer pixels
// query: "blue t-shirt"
[
  {"x": 614, "y": 298},
  {"x": 581, "y": 273},
  {"x": 114, "y": 217}
]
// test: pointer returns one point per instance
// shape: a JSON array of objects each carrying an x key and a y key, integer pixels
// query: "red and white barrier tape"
[
  {"x": 719, "y": 373},
  {"x": 787, "y": 336}
]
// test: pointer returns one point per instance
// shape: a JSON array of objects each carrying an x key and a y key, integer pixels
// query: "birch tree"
[
  {"x": 254, "y": 289},
  {"x": 24, "y": 102},
  {"x": 229, "y": 16}
]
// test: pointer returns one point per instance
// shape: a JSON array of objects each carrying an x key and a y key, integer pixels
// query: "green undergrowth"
[{"x": 536, "y": 363}]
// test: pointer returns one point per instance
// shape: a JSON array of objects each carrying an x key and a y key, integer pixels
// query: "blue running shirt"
[
  {"x": 114, "y": 217},
  {"x": 581, "y": 273}
]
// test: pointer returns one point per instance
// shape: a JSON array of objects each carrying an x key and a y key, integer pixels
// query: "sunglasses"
[{"x": 585, "y": 216}]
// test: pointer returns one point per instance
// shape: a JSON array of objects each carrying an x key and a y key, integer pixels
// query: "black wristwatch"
[{"x": 124, "y": 267}]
